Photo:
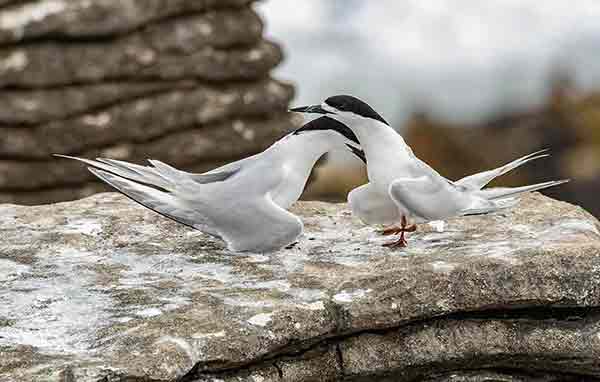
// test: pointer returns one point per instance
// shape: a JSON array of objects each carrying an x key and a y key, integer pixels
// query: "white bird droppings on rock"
[
  {"x": 579, "y": 225},
  {"x": 349, "y": 296},
  {"x": 438, "y": 225},
  {"x": 442, "y": 266},
  {"x": 318, "y": 305},
  {"x": 89, "y": 227},
  {"x": 209, "y": 335},
  {"x": 258, "y": 258},
  {"x": 149, "y": 312},
  {"x": 11, "y": 270},
  {"x": 261, "y": 319}
]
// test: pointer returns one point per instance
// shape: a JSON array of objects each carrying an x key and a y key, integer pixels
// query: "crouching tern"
[
  {"x": 245, "y": 202},
  {"x": 402, "y": 188}
]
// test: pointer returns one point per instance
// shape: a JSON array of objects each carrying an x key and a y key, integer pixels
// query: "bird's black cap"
[{"x": 354, "y": 105}]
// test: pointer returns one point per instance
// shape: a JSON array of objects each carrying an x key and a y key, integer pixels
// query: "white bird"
[
  {"x": 372, "y": 209},
  {"x": 245, "y": 202},
  {"x": 404, "y": 189}
]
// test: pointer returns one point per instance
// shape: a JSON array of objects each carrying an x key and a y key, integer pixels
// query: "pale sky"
[{"x": 461, "y": 59}]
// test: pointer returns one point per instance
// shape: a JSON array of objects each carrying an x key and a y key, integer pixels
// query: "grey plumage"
[{"x": 244, "y": 203}]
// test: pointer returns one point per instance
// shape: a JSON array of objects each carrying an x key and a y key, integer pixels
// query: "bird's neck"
[
  {"x": 296, "y": 154},
  {"x": 388, "y": 155},
  {"x": 305, "y": 148},
  {"x": 379, "y": 140}
]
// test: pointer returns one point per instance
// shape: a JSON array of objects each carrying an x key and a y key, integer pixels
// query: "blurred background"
[{"x": 471, "y": 85}]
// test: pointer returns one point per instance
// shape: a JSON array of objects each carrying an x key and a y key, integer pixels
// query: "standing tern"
[
  {"x": 245, "y": 202},
  {"x": 404, "y": 189}
]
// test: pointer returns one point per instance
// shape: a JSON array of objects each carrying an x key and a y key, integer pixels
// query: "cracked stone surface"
[{"x": 103, "y": 290}]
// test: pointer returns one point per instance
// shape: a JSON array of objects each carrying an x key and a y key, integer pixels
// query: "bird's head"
[{"x": 344, "y": 108}]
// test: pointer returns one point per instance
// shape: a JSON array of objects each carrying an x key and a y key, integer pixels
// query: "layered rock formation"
[
  {"x": 103, "y": 290},
  {"x": 183, "y": 81}
]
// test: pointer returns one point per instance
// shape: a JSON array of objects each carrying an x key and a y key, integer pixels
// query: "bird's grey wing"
[
  {"x": 187, "y": 212},
  {"x": 135, "y": 172},
  {"x": 482, "y": 206},
  {"x": 159, "y": 174},
  {"x": 176, "y": 175},
  {"x": 427, "y": 198},
  {"x": 507, "y": 192},
  {"x": 237, "y": 165},
  {"x": 221, "y": 173},
  {"x": 482, "y": 179},
  {"x": 257, "y": 225},
  {"x": 373, "y": 207},
  {"x": 245, "y": 223}
]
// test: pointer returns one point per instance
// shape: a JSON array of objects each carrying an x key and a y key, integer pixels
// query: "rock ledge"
[{"x": 103, "y": 290}]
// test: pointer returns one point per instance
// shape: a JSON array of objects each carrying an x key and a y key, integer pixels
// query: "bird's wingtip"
[{"x": 63, "y": 156}]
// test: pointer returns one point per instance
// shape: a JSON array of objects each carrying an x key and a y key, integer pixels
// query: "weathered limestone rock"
[
  {"x": 217, "y": 141},
  {"x": 199, "y": 44},
  {"x": 101, "y": 290},
  {"x": 47, "y": 196},
  {"x": 146, "y": 118},
  {"x": 131, "y": 79},
  {"x": 23, "y": 108},
  {"x": 51, "y": 64},
  {"x": 64, "y": 19}
]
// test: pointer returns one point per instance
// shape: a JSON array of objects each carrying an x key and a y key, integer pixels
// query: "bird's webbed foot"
[
  {"x": 400, "y": 243},
  {"x": 402, "y": 230}
]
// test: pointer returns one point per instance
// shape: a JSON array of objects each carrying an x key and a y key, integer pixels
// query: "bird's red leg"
[
  {"x": 394, "y": 230},
  {"x": 411, "y": 228},
  {"x": 401, "y": 242},
  {"x": 390, "y": 230}
]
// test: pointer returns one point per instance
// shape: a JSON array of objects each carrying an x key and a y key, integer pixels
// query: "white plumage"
[
  {"x": 404, "y": 189},
  {"x": 245, "y": 202}
]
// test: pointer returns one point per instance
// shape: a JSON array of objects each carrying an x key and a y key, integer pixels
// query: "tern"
[
  {"x": 245, "y": 202},
  {"x": 402, "y": 188}
]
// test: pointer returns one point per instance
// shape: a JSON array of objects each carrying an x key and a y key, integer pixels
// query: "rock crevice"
[{"x": 447, "y": 344}]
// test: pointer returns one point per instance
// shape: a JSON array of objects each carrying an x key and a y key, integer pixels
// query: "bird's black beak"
[{"x": 314, "y": 109}]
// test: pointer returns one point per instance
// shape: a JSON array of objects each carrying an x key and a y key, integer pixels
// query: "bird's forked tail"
[{"x": 507, "y": 192}]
